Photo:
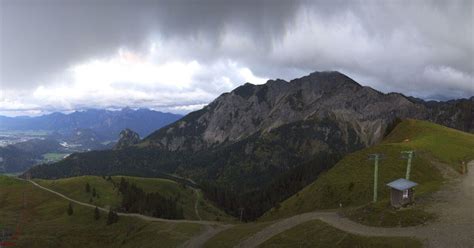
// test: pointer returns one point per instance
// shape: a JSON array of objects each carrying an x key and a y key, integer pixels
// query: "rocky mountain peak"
[
  {"x": 327, "y": 95},
  {"x": 127, "y": 138}
]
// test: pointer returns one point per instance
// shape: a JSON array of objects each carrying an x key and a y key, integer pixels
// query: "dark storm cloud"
[
  {"x": 420, "y": 48},
  {"x": 39, "y": 38}
]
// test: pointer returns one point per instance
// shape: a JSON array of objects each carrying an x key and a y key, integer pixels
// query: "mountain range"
[
  {"x": 104, "y": 123},
  {"x": 265, "y": 142},
  {"x": 25, "y": 141}
]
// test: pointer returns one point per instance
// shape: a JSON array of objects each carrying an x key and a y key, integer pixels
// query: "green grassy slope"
[
  {"x": 448, "y": 145},
  {"x": 108, "y": 195},
  {"x": 233, "y": 236},
  {"x": 74, "y": 188},
  {"x": 45, "y": 223},
  {"x": 350, "y": 181},
  {"x": 318, "y": 234}
]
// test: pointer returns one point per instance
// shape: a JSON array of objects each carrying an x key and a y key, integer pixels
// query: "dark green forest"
[{"x": 136, "y": 200}]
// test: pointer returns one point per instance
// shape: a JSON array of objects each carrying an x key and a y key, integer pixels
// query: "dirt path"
[
  {"x": 455, "y": 227},
  {"x": 143, "y": 217},
  {"x": 332, "y": 218},
  {"x": 454, "y": 205},
  {"x": 211, "y": 228},
  {"x": 209, "y": 232}
]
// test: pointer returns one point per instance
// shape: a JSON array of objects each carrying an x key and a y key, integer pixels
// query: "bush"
[{"x": 112, "y": 217}]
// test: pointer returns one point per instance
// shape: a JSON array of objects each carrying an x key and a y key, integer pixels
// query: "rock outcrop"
[
  {"x": 252, "y": 108},
  {"x": 127, "y": 138}
]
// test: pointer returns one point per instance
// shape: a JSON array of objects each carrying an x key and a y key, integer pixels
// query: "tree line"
[{"x": 136, "y": 200}]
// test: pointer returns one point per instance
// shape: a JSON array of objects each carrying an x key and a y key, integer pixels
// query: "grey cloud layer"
[{"x": 421, "y": 48}]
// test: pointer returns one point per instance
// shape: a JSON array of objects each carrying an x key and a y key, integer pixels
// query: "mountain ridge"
[
  {"x": 260, "y": 139},
  {"x": 330, "y": 85}
]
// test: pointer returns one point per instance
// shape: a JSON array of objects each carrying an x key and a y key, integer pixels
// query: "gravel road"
[{"x": 455, "y": 227}]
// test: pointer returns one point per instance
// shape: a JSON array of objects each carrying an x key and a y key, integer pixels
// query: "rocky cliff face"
[
  {"x": 127, "y": 138},
  {"x": 331, "y": 96}
]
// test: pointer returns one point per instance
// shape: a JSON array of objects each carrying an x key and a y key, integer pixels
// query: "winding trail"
[
  {"x": 211, "y": 228},
  {"x": 330, "y": 218},
  {"x": 143, "y": 217},
  {"x": 455, "y": 227}
]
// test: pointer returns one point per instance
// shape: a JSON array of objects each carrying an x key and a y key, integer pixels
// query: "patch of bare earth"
[{"x": 454, "y": 205}]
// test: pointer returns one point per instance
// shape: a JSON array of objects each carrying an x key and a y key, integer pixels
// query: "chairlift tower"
[
  {"x": 376, "y": 157},
  {"x": 408, "y": 155},
  {"x": 241, "y": 213}
]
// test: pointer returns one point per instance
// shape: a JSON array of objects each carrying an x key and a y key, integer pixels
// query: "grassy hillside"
[
  {"x": 447, "y": 145},
  {"x": 318, "y": 234},
  {"x": 233, "y": 236},
  {"x": 309, "y": 234},
  {"x": 108, "y": 195},
  {"x": 45, "y": 223},
  {"x": 350, "y": 181}
]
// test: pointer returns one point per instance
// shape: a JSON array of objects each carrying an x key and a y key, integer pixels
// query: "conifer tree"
[
  {"x": 96, "y": 213},
  {"x": 70, "y": 211},
  {"x": 112, "y": 217}
]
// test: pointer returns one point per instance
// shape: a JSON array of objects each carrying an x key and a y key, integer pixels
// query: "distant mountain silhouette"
[{"x": 107, "y": 124}]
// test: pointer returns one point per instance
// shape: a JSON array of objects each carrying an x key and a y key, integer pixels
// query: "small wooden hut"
[{"x": 401, "y": 192}]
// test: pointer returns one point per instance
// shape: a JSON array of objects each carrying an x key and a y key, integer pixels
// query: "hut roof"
[{"x": 402, "y": 184}]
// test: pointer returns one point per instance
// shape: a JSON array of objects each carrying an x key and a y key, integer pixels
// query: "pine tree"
[
  {"x": 70, "y": 211},
  {"x": 96, "y": 213},
  {"x": 88, "y": 188},
  {"x": 94, "y": 193}
]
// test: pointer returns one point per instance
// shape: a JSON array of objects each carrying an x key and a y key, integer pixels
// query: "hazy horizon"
[{"x": 164, "y": 110}]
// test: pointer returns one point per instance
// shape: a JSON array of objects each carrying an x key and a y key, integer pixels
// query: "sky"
[{"x": 177, "y": 56}]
